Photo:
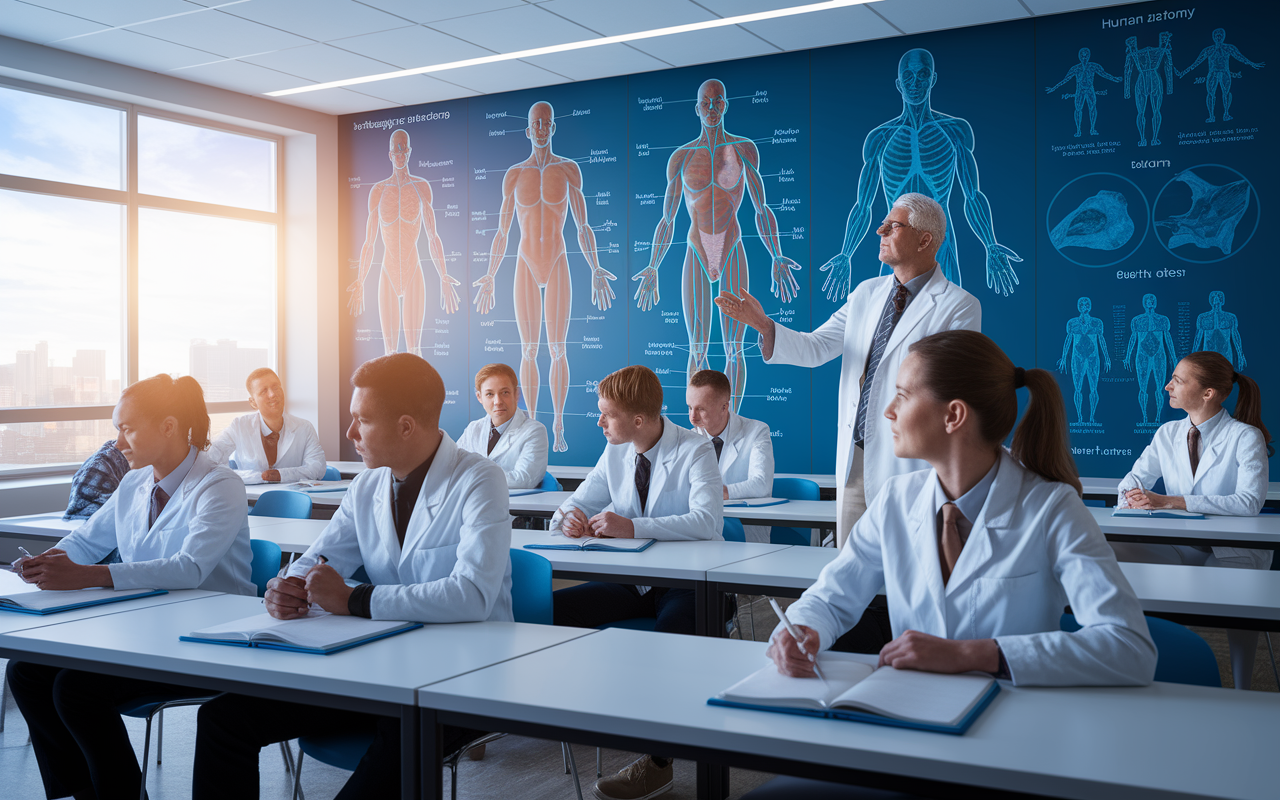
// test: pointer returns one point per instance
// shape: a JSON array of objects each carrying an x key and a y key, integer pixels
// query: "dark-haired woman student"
[
  {"x": 179, "y": 522},
  {"x": 1212, "y": 463}
]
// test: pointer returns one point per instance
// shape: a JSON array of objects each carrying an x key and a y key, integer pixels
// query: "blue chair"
[
  {"x": 1184, "y": 656},
  {"x": 231, "y": 462},
  {"x": 733, "y": 530},
  {"x": 793, "y": 489},
  {"x": 550, "y": 484},
  {"x": 331, "y": 474},
  {"x": 282, "y": 503},
  {"x": 1095, "y": 503},
  {"x": 531, "y": 599},
  {"x": 266, "y": 563}
]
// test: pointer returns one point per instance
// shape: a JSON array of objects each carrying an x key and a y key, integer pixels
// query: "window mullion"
[{"x": 131, "y": 250}]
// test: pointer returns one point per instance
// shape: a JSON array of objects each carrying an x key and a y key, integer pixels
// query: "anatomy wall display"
[{"x": 1104, "y": 173}]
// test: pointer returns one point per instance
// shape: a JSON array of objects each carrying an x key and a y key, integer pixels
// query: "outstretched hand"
[
  {"x": 839, "y": 271},
  {"x": 785, "y": 287},
  {"x": 744, "y": 308},
  {"x": 601, "y": 292},
  {"x": 355, "y": 303},
  {"x": 1000, "y": 274},
  {"x": 647, "y": 295},
  {"x": 484, "y": 297},
  {"x": 449, "y": 293}
]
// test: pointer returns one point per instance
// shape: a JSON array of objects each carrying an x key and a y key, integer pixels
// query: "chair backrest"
[
  {"x": 1094, "y": 502},
  {"x": 531, "y": 587},
  {"x": 797, "y": 537},
  {"x": 733, "y": 530},
  {"x": 1184, "y": 656},
  {"x": 282, "y": 503},
  {"x": 796, "y": 489},
  {"x": 331, "y": 474},
  {"x": 265, "y": 564},
  {"x": 550, "y": 484},
  {"x": 231, "y": 462}
]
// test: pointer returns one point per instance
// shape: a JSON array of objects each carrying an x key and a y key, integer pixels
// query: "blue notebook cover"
[
  {"x": 41, "y": 612},
  {"x": 523, "y": 492},
  {"x": 293, "y": 648},
  {"x": 740, "y": 504},
  {"x": 875, "y": 719},
  {"x": 1155, "y": 513},
  {"x": 591, "y": 544}
]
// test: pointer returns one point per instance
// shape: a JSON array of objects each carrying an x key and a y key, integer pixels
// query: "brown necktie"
[
  {"x": 159, "y": 499},
  {"x": 955, "y": 529},
  {"x": 1193, "y": 447},
  {"x": 494, "y": 436},
  {"x": 269, "y": 447},
  {"x": 900, "y": 298}
]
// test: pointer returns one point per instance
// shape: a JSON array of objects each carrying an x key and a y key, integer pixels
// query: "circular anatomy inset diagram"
[
  {"x": 1098, "y": 220},
  {"x": 1206, "y": 213}
]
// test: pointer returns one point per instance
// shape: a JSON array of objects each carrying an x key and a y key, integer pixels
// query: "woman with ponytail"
[
  {"x": 980, "y": 553},
  {"x": 180, "y": 522},
  {"x": 1212, "y": 463}
]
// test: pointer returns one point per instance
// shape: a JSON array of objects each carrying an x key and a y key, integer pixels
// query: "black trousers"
[
  {"x": 590, "y": 605},
  {"x": 871, "y": 633},
  {"x": 234, "y": 728},
  {"x": 80, "y": 741}
]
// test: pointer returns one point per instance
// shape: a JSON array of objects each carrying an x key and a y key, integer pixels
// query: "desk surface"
[
  {"x": 797, "y": 513},
  {"x": 294, "y": 532},
  {"x": 1135, "y": 741},
  {"x": 11, "y": 622},
  {"x": 1262, "y": 531},
  {"x": 1094, "y": 487},
  {"x": 319, "y": 499},
  {"x": 686, "y": 561}
]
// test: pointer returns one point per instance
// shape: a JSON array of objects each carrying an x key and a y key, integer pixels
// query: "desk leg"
[
  {"x": 717, "y": 605},
  {"x": 713, "y": 781},
  {"x": 429, "y": 757},
  {"x": 701, "y": 603}
]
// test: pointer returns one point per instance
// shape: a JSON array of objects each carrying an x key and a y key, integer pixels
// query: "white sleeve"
[
  {"x": 314, "y": 462},
  {"x": 96, "y": 538},
  {"x": 531, "y": 463},
  {"x": 338, "y": 543},
  {"x": 968, "y": 317},
  {"x": 591, "y": 496},
  {"x": 811, "y": 349},
  {"x": 1252, "y": 475},
  {"x": 1146, "y": 471},
  {"x": 705, "y": 517},
  {"x": 759, "y": 482}
]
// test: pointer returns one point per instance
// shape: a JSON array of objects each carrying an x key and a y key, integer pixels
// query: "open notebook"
[
  {"x": 558, "y": 541},
  {"x": 23, "y": 598},
  {"x": 1159, "y": 513},
  {"x": 754, "y": 502},
  {"x": 319, "y": 632},
  {"x": 859, "y": 691}
]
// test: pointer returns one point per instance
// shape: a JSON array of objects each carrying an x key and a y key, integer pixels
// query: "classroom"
[{"x": 291, "y": 291}]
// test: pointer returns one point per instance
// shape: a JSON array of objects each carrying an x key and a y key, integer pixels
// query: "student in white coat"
[
  {"x": 1212, "y": 463},
  {"x": 270, "y": 446},
  {"x": 428, "y": 522},
  {"x": 744, "y": 449},
  {"x": 505, "y": 434},
  {"x": 180, "y": 521},
  {"x": 871, "y": 333},
  {"x": 655, "y": 480}
]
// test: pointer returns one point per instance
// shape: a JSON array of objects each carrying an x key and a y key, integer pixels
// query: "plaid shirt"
[{"x": 96, "y": 481}]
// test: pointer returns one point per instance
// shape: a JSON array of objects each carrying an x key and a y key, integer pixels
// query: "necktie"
[
  {"x": 642, "y": 480},
  {"x": 269, "y": 447},
  {"x": 401, "y": 508},
  {"x": 719, "y": 443},
  {"x": 159, "y": 497},
  {"x": 884, "y": 331},
  {"x": 494, "y": 435},
  {"x": 951, "y": 539},
  {"x": 1193, "y": 448}
]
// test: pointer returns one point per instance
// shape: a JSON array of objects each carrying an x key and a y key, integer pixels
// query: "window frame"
[{"x": 133, "y": 201}]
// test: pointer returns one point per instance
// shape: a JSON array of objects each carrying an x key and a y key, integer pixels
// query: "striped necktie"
[{"x": 893, "y": 308}]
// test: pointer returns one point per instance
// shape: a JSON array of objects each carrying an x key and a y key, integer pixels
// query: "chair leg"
[
  {"x": 4, "y": 700},
  {"x": 573, "y": 765},
  {"x": 146, "y": 754},
  {"x": 1272, "y": 653},
  {"x": 564, "y": 756},
  {"x": 453, "y": 781},
  {"x": 599, "y": 764},
  {"x": 159, "y": 736},
  {"x": 751, "y": 615},
  {"x": 297, "y": 777}
]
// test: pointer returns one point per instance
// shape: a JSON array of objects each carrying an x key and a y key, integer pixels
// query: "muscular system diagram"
[
  {"x": 710, "y": 174},
  {"x": 1150, "y": 337},
  {"x": 1219, "y": 55},
  {"x": 400, "y": 208},
  {"x": 1083, "y": 74},
  {"x": 1084, "y": 344},
  {"x": 1219, "y": 331},
  {"x": 925, "y": 151},
  {"x": 1148, "y": 87},
  {"x": 539, "y": 193}
]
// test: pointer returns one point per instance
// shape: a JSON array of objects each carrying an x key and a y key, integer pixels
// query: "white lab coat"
[
  {"x": 455, "y": 565},
  {"x": 940, "y": 306},
  {"x": 521, "y": 450},
  {"x": 686, "y": 500},
  {"x": 1033, "y": 550},
  {"x": 1231, "y": 477},
  {"x": 199, "y": 541},
  {"x": 299, "y": 455},
  {"x": 746, "y": 464}
]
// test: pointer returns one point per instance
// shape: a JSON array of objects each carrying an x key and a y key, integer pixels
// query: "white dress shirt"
[
  {"x": 299, "y": 455},
  {"x": 746, "y": 464},
  {"x": 521, "y": 450}
]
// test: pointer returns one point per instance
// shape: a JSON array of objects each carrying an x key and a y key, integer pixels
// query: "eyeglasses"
[{"x": 889, "y": 227}]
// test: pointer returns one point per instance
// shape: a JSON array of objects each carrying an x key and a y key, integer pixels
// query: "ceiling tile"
[
  {"x": 320, "y": 63},
  {"x": 321, "y": 20},
  {"x": 598, "y": 62},
  {"x": 435, "y": 10},
  {"x": 333, "y": 101},
  {"x": 220, "y": 33},
  {"x": 822, "y": 28},
  {"x": 240, "y": 77},
  {"x": 412, "y": 89},
  {"x": 504, "y": 76},
  {"x": 136, "y": 50},
  {"x": 703, "y": 47},
  {"x": 513, "y": 29},
  {"x": 34, "y": 24},
  {"x": 732, "y": 8},
  {"x": 918, "y": 16},
  {"x": 120, "y": 13},
  {"x": 411, "y": 47},
  {"x": 612, "y": 19}
]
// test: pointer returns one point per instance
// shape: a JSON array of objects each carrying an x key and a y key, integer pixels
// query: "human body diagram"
[
  {"x": 1150, "y": 337},
  {"x": 1085, "y": 342},
  {"x": 1148, "y": 87},
  {"x": 924, "y": 151},
  {"x": 539, "y": 193},
  {"x": 1219, "y": 55},
  {"x": 711, "y": 174},
  {"x": 399, "y": 208},
  {"x": 1219, "y": 331},
  {"x": 1085, "y": 94}
]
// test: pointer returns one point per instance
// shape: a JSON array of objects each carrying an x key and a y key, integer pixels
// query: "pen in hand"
[
  {"x": 795, "y": 634},
  {"x": 285, "y": 573}
]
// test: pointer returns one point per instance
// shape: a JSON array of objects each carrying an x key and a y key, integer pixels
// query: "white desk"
[
  {"x": 1261, "y": 532},
  {"x": 825, "y": 481},
  {"x": 288, "y": 533},
  {"x": 793, "y": 513},
  {"x": 348, "y": 469},
  {"x": 11, "y": 622},
  {"x": 293, "y": 535},
  {"x": 323, "y": 503},
  {"x": 1106, "y": 488},
  {"x": 1086, "y": 743}
]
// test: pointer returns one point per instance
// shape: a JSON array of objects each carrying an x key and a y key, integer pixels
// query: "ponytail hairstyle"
[
  {"x": 968, "y": 366},
  {"x": 162, "y": 396},
  {"x": 1213, "y": 371}
]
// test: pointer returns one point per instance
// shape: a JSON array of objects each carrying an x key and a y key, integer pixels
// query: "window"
[{"x": 112, "y": 271}]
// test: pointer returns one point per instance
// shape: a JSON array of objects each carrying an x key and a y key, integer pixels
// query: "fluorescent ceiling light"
[{"x": 560, "y": 48}]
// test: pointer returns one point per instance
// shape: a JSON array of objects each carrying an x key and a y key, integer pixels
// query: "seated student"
[
  {"x": 180, "y": 521},
  {"x": 428, "y": 522},
  {"x": 270, "y": 446},
  {"x": 506, "y": 435},
  {"x": 95, "y": 481},
  {"x": 743, "y": 446},
  {"x": 658, "y": 481},
  {"x": 1211, "y": 463}
]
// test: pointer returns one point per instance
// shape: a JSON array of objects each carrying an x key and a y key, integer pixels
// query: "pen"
[
  {"x": 322, "y": 558},
  {"x": 795, "y": 634},
  {"x": 24, "y": 552},
  {"x": 285, "y": 573}
]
